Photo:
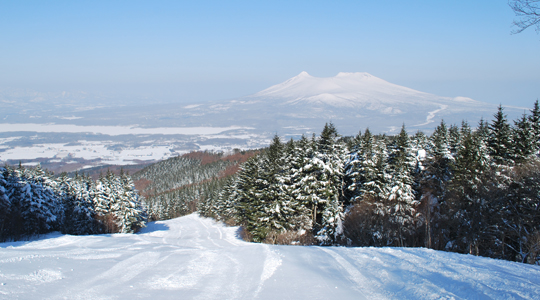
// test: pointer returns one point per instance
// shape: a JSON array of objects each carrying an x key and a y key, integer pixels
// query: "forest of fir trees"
[
  {"x": 460, "y": 189},
  {"x": 172, "y": 188},
  {"x": 33, "y": 202}
]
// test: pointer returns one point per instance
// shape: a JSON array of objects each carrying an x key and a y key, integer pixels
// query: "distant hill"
[{"x": 172, "y": 187}]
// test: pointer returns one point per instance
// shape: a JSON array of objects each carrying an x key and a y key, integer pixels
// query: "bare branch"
[{"x": 528, "y": 12}]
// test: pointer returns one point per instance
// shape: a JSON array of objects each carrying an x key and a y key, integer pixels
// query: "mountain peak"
[{"x": 303, "y": 74}]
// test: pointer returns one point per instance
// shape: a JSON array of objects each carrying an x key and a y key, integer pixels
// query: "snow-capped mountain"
[
  {"x": 359, "y": 90},
  {"x": 352, "y": 101}
]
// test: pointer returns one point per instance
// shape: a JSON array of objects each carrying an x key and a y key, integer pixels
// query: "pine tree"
[
  {"x": 534, "y": 119},
  {"x": 366, "y": 169},
  {"x": 5, "y": 205},
  {"x": 433, "y": 183},
  {"x": 354, "y": 165},
  {"x": 402, "y": 203},
  {"x": 299, "y": 182},
  {"x": 248, "y": 204},
  {"x": 328, "y": 164},
  {"x": 454, "y": 139},
  {"x": 275, "y": 209},
  {"x": 440, "y": 147},
  {"x": 524, "y": 139},
  {"x": 482, "y": 131},
  {"x": 104, "y": 201},
  {"x": 519, "y": 215},
  {"x": 500, "y": 139},
  {"x": 37, "y": 205},
  {"x": 131, "y": 213},
  {"x": 78, "y": 206},
  {"x": 468, "y": 206}
]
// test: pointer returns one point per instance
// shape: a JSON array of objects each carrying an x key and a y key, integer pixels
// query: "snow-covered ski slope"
[{"x": 196, "y": 258}]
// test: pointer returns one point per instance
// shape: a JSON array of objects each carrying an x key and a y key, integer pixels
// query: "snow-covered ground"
[
  {"x": 197, "y": 258},
  {"x": 90, "y": 151},
  {"x": 113, "y": 130}
]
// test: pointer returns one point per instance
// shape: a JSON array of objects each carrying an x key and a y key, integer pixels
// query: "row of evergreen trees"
[
  {"x": 464, "y": 190},
  {"x": 173, "y": 187},
  {"x": 33, "y": 201}
]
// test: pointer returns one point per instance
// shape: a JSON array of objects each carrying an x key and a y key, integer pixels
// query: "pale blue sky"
[{"x": 209, "y": 50}]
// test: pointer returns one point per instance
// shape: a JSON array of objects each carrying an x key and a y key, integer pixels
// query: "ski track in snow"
[
  {"x": 359, "y": 281},
  {"x": 272, "y": 262},
  {"x": 197, "y": 258}
]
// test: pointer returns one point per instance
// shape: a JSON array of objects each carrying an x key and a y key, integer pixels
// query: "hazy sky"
[{"x": 210, "y": 50}]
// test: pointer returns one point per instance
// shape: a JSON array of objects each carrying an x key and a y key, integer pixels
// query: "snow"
[
  {"x": 344, "y": 90},
  {"x": 91, "y": 150},
  {"x": 196, "y": 258},
  {"x": 113, "y": 130},
  {"x": 431, "y": 115}
]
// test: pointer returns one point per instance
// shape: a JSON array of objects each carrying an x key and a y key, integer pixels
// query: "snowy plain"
[
  {"x": 114, "y": 130},
  {"x": 196, "y": 258}
]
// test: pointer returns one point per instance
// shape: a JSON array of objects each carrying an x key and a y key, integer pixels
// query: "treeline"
[
  {"x": 466, "y": 190},
  {"x": 33, "y": 201},
  {"x": 173, "y": 187}
]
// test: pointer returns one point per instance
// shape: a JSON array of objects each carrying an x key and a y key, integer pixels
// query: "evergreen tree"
[
  {"x": 534, "y": 119},
  {"x": 328, "y": 163},
  {"x": 37, "y": 206},
  {"x": 248, "y": 203},
  {"x": 482, "y": 131},
  {"x": 5, "y": 205},
  {"x": 524, "y": 139},
  {"x": 299, "y": 183},
  {"x": 78, "y": 206},
  {"x": 105, "y": 203},
  {"x": 366, "y": 169},
  {"x": 500, "y": 139},
  {"x": 440, "y": 147},
  {"x": 275, "y": 209},
  {"x": 519, "y": 230},
  {"x": 454, "y": 139},
  {"x": 131, "y": 213},
  {"x": 402, "y": 203},
  {"x": 468, "y": 205}
]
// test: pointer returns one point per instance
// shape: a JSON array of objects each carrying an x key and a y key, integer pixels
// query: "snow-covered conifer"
[
  {"x": 328, "y": 166},
  {"x": 454, "y": 139},
  {"x": 402, "y": 203},
  {"x": 131, "y": 214},
  {"x": 500, "y": 139},
  {"x": 534, "y": 119},
  {"x": 5, "y": 204},
  {"x": 468, "y": 186},
  {"x": 524, "y": 139}
]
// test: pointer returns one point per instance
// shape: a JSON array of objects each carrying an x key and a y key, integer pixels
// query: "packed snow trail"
[{"x": 196, "y": 258}]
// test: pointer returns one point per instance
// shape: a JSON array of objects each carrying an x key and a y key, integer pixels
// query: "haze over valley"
[{"x": 55, "y": 130}]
